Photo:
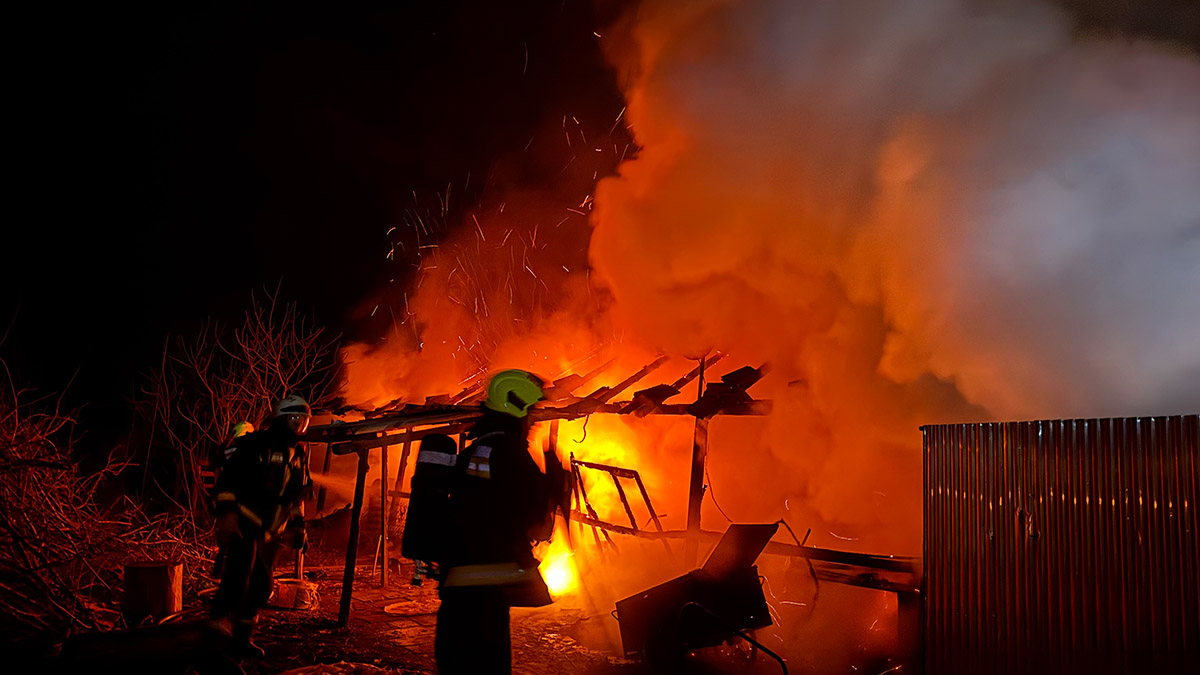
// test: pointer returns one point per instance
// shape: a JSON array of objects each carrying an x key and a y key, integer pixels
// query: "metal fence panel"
[{"x": 1063, "y": 546}]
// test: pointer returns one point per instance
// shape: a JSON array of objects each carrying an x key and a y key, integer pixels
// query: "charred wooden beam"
[
  {"x": 696, "y": 486},
  {"x": 728, "y": 393},
  {"x": 584, "y": 519},
  {"x": 563, "y": 387},
  {"x": 352, "y": 545},
  {"x": 396, "y": 490},
  {"x": 350, "y": 430},
  {"x": 383, "y": 522},
  {"x": 751, "y": 408},
  {"x": 469, "y": 392},
  {"x": 350, "y": 437},
  {"x": 615, "y": 470},
  {"x": 844, "y": 567},
  {"x": 348, "y": 447},
  {"x": 649, "y": 400},
  {"x": 606, "y": 394},
  {"x": 324, "y": 471}
]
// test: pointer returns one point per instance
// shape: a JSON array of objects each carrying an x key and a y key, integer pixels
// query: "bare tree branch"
[{"x": 211, "y": 381}]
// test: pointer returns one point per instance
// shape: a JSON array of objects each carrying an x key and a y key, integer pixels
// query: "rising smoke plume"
[
  {"x": 1022, "y": 207},
  {"x": 909, "y": 207},
  {"x": 917, "y": 211}
]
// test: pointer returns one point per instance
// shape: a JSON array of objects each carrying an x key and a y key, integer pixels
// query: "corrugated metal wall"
[{"x": 1066, "y": 546}]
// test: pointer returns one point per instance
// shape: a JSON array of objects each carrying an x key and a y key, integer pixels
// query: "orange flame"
[{"x": 558, "y": 567}]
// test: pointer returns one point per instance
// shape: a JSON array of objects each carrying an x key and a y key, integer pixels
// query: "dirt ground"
[
  {"x": 392, "y": 629},
  {"x": 391, "y": 632}
]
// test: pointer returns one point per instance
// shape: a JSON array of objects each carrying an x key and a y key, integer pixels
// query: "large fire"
[
  {"x": 607, "y": 439},
  {"x": 859, "y": 208}
]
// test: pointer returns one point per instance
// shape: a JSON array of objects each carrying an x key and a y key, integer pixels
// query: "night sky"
[{"x": 169, "y": 160}]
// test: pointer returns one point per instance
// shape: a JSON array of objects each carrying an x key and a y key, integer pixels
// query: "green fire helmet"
[
  {"x": 513, "y": 392},
  {"x": 242, "y": 428}
]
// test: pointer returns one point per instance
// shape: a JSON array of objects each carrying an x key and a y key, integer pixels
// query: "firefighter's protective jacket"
[
  {"x": 500, "y": 496},
  {"x": 265, "y": 480}
]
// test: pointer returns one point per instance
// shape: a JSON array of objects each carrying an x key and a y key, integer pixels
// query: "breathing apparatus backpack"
[{"x": 429, "y": 505}]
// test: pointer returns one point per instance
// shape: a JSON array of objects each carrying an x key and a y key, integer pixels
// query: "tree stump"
[{"x": 152, "y": 590}]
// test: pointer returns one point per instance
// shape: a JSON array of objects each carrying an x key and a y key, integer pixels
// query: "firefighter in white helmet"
[
  {"x": 260, "y": 502},
  {"x": 498, "y": 507}
]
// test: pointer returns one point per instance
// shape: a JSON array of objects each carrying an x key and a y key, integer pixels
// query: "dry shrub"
[
  {"x": 61, "y": 552},
  {"x": 207, "y": 383},
  {"x": 62, "y": 548}
]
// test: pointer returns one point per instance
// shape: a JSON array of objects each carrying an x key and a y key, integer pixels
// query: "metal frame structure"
[{"x": 592, "y": 519}]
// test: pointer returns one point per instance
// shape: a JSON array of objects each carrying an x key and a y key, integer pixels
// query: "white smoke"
[{"x": 1021, "y": 205}]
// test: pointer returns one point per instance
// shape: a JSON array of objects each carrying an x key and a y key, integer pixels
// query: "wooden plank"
[
  {"x": 352, "y": 545},
  {"x": 383, "y": 521},
  {"x": 152, "y": 589},
  {"x": 350, "y": 430},
  {"x": 864, "y": 561},
  {"x": 396, "y": 489},
  {"x": 351, "y": 446},
  {"x": 324, "y": 471},
  {"x": 607, "y": 395},
  {"x": 754, "y": 408},
  {"x": 696, "y": 479},
  {"x": 350, "y": 438}
]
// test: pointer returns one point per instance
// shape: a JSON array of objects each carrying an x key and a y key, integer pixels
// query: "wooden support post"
[
  {"x": 352, "y": 545},
  {"x": 324, "y": 472},
  {"x": 383, "y": 520},
  {"x": 696, "y": 485},
  {"x": 554, "y": 437},
  {"x": 399, "y": 486},
  {"x": 553, "y": 447}
]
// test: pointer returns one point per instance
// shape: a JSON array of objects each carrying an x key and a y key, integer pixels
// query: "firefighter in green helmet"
[
  {"x": 217, "y": 462},
  {"x": 498, "y": 507}
]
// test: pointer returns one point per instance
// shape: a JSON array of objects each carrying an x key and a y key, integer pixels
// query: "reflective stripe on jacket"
[{"x": 521, "y": 587}]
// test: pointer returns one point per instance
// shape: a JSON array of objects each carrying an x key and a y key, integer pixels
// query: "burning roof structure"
[{"x": 572, "y": 396}]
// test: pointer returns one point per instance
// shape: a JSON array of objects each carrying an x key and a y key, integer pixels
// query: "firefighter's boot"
[{"x": 242, "y": 644}]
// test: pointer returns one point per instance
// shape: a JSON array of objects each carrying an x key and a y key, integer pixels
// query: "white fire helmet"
[{"x": 295, "y": 411}]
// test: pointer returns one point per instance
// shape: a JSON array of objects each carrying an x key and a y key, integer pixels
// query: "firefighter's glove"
[{"x": 227, "y": 529}]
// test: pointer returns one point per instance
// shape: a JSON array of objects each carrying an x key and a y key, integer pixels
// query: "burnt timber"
[{"x": 399, "y": 424}]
